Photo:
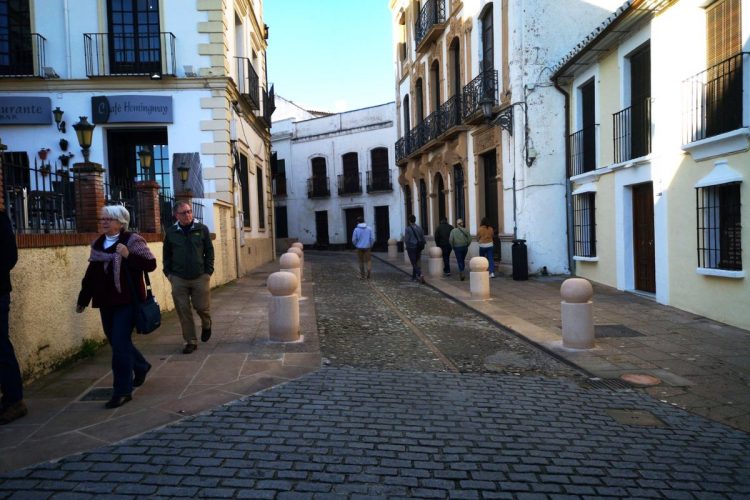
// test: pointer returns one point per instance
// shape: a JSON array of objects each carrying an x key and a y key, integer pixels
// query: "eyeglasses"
[
  {"x": 185, "y": 212},
  {"x": 108, "y": 219}
]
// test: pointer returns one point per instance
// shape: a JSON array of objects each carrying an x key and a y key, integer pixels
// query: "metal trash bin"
[{"x": 520, "y": 261}]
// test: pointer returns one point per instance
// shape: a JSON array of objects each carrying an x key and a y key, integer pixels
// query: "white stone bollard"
[
  {"x": 297, "y": 244},
  {"x": 283, "y": 308},
  {"x": 577, "y": 313},
  {"x": 299, "y": 253},
  {"x": 392, "y": 248},
  {"x": 435, "y": 262},
  {"x": 289, "y": 262},
  {"x": 479, "y": 278}
]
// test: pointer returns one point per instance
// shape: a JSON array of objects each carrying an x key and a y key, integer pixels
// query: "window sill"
[
  {"x": 585, "y": 259},
  {"x": 720, "y": 273},
  {"x": 722, "y": 144}
]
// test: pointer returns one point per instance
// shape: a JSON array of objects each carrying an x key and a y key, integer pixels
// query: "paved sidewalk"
[
  {"x": 704, "y": 365},
  {"x": 66, "y": 408}
]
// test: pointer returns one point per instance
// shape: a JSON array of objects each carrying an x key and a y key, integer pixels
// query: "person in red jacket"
[
  {"x": 12, "y": 406},
  {"x": 114, "y": 255}
]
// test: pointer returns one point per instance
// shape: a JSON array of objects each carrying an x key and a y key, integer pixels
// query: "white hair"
[{"x": 119, "y": 213}]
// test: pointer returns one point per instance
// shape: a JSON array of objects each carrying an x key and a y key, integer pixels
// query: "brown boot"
[{"x": 13, "y": 412}]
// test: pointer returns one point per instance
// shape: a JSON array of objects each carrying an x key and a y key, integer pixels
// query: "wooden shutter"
[{"x": 724, "y": 30}]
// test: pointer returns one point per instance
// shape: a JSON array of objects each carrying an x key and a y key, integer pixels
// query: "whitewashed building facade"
[{"x": 332, "y": 169}]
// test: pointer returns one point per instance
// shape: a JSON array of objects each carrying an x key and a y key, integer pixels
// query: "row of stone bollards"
[{"x": 286, "y": 291}]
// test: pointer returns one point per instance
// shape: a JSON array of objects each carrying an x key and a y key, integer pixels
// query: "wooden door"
[
  {"x": 321, "y": 228},
  {"x": 382, "y": 228},
  {"x": 643, "y": 237},
  {"x": 282, "y": 226}
]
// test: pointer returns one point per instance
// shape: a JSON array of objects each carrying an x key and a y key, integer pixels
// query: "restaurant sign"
[
  {"x": 25, "y": 110},
  {"x": 131, "y": 109}
]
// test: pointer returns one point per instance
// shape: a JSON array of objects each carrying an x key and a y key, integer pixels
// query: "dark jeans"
[
  {"x": 10, "y": 374},
  {"x": 415, "y": 257},
  {"x": 117, "y": 322},
  {"x": 461, "y": 257},
  {"x": 446, "y": 258},
  {"x": 489, "y": 254}
]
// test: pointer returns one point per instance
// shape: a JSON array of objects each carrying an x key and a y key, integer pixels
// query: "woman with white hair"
[{"x": 114, "y": 255}]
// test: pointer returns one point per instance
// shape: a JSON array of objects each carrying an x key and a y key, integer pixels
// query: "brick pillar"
[
  {"x": 89, "y": 186},
  {"x": 149, "y": 211}
]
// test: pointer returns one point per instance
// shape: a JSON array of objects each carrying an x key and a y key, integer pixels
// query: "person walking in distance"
[
  {"x": 486, "y": 238},
  {"x": 189, "y": 264},
  {"x": 442, "y": 239},
  {"x": 12, "y": 406},
  {"x": 460, "y": 239},
  {"x": 363, "y": 240},
  {"x": 414, "y": 243}
]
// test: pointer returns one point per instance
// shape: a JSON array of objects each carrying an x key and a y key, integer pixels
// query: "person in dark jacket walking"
[
  {"x": 414, "y": 242},
  {"x": 442, "y": 240},
  {"x": 189, "y": 264},
  {"x": 12, "y": 406},
  {"x": 112, "y": 283}
]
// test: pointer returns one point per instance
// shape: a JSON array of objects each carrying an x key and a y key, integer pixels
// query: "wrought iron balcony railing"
[
  {"x": 632, "y": 130},
  {"x": 248, "y": 82},
  {"x": 379, "y": 180},
  {"x": 318, "y": 187},
  {"x": 484, "y": 86},
  {"x": 450, "y": 113},
  {"x": 582, "y": 151},
  {"x": 714, "y": 99},
  {"x": 432, "y": 13},
  {"x": 349, "y": 184},
  {"x": 130, "y": 54},
  {"x": 401, "y": 151},
  {"x": 22, "y": 56}
]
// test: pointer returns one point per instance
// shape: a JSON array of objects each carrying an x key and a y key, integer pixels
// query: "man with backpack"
[{"x": 414, "y": 243}]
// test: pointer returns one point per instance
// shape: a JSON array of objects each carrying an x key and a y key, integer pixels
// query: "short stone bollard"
[
  {"x": 289, "y": 262},
  {"x": 283, "y": 308},
  {"x": 435, "y": 262},
  {"x": 577, "y": 313},
  {"x": 392, "y": 248},
  {"x": 479, "y": 278},
  {"x": 299, "y": 245},
  {"x": 299, "y": 253}
]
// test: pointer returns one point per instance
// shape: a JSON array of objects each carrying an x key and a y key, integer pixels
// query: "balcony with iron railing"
[
  {"x": 269, "y": 105},
  {"x": 430, "y": 23},
  {"x": 22, "y": 56},
  {"x": 450, "y": 115},
  {"x": 379, "y": 180},
  {"x": 481, "y": 88},
  {"x": 130, "y": 54},
  {"x": 349, "y": 184},
  {"x": 582, "y": 148},
  {"x": 715, "y": 100},
  {"x": 632, "y": 131},
  {"x": 318, "y": 187},
  {"x": 248, "y": 82}
]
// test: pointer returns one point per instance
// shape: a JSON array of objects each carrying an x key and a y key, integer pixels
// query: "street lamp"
[
  {"x": 85, "y": 133},
  {"x": 146, "y": 157},
  {"x": 487, "y": 103},
  {"x": 58, "y": 119},
  {"x": 184, "y": 170}
]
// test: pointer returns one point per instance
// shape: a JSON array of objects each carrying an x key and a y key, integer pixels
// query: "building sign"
[
  {"x": 25, "y": 111},
  {"x": 131, "y": 109}
]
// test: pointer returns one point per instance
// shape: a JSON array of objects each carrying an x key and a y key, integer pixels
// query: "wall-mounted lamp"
[
  {"x": 146, "y": 156},
  {"x": 84, "y": 133},
  {"x": 58, "y": 119},
  {"x": 184, "y": 170}
]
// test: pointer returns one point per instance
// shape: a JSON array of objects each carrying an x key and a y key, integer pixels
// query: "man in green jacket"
[{"x": 189, "y": 264}]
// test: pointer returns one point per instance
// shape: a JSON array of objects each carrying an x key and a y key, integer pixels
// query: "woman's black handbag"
[{"x": 147, "y": 314}]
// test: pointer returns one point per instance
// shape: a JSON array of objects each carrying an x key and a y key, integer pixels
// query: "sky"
[{"x": 330, "y": 55}]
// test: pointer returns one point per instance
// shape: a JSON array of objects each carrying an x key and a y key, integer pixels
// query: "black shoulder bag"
[
  {"x": 146, "y": 314},
  {"x": 420, "y": 242}
]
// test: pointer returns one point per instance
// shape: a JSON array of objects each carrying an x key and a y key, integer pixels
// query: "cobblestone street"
[{"x": 418, "y": 396}]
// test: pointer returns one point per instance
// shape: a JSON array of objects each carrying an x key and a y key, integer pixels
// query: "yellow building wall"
[
  {"x": 603, "y": 270},
  {"x": 721, "y": 299},
  {"x": 609, "y": 104}
]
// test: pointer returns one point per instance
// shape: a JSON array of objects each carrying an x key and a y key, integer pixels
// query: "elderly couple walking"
[{"x": 114, "y": 282}]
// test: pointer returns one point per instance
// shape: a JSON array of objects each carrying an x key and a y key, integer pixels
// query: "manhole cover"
[
  {"x": 601, "y": 331},
  {"x": 99, "y": 394},
  {"x": 640, "y": 418},
  {"x": 613, "y": 384},
  {"x": 640, "y": 379}
]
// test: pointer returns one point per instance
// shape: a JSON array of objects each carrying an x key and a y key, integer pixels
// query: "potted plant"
[
  {"x": 63, "y": 144},
  {"x": 65, "y": 159},
  {"x": 43, "y": 153}
]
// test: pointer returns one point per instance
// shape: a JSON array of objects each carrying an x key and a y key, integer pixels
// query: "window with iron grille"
[
  {"x": 584, "y": 222},
  {"x": 261, "y": 198},
  {"x": 719, "y": 228},
  {"x": 245, "y": 190}
]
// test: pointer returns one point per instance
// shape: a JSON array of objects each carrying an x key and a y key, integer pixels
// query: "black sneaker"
[
  {"x": 189, "y": 348},
  {"x": 205, "y": 334},
  {"x": 140, "y": 378}
]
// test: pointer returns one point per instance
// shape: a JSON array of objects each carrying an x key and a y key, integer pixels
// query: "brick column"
[
  {"x": 89, "y": 186},
  {"x": 149, "y": 211}
]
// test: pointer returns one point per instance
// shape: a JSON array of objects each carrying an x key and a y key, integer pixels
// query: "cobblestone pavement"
[{"x": 439, "y": 423}]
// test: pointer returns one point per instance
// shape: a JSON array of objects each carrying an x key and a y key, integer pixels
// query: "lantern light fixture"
[
  {"x": 184, "y": 170},
  {"x": 146, "y": 157},
  {"x": 84, "y": 133},
  {"x": 58, "y": 119}
]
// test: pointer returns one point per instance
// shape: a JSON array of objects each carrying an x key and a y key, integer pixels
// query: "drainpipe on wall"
[
  {"x": 68, "y": 60},
  {"x": 568, "y": 191}
]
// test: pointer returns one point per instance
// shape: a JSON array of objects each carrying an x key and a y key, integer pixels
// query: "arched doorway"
[
  {"x": 459, "y": 200},
  {"x": 441, "y": 201},
  {"x": 423, "y": 206}
]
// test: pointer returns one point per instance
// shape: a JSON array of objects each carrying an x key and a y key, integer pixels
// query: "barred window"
[
  {"x": 719, "y": 228},
  {"x": 584, "y": 224}
]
